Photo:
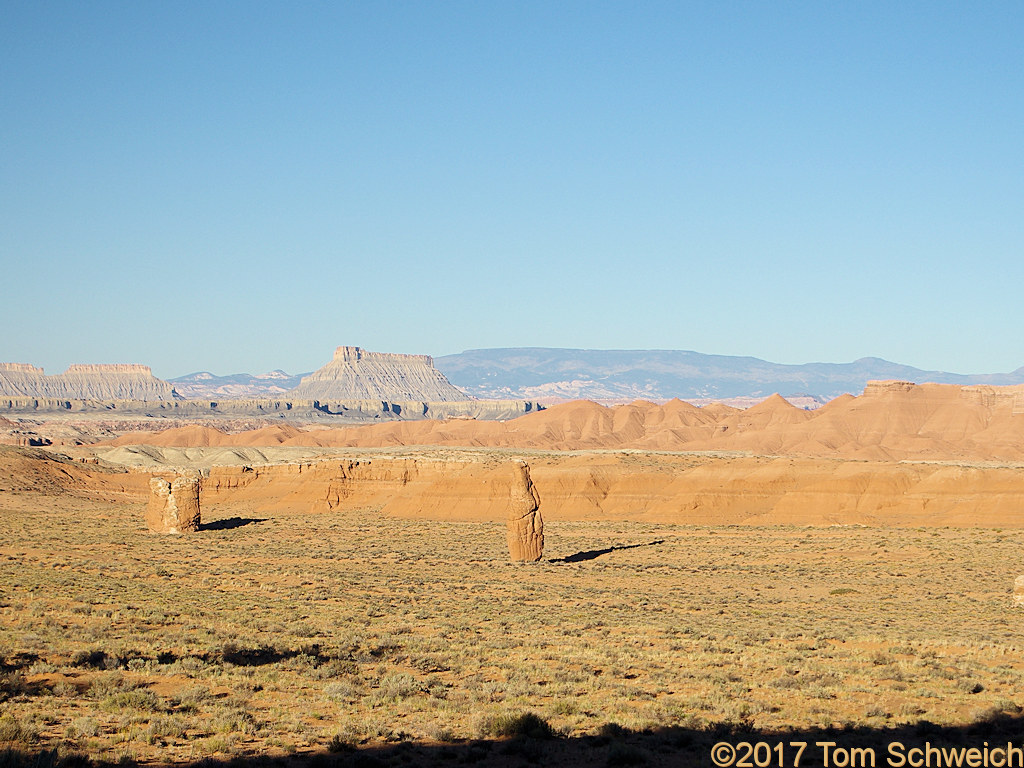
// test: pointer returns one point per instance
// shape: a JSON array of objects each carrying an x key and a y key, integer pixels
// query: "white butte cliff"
[
  {"x": 355, "y": 374},
  {"x": 84, "y": 382}
]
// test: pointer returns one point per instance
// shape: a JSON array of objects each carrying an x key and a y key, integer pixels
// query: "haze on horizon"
[{"x": 236, "y": 187}]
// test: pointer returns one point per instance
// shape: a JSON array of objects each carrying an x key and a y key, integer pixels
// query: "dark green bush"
[{"x": 521, "y": 724}]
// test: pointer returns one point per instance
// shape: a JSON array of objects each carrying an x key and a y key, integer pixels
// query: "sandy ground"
[
  {"x": 284, "y": 634},
  {"x": 356, "y": 606}
]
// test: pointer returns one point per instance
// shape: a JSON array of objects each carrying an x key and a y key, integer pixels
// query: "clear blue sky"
[{"x": 241, "y": 186}]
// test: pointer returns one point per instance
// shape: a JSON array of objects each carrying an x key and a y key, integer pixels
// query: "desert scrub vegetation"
[{"x": 301, "y": 632}]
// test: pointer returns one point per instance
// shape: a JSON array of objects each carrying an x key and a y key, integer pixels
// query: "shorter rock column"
[{"x": 173, "y": 506}]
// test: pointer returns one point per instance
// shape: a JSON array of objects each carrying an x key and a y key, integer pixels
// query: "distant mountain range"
[
  {"x": 613, "y": 375},
  {"x": 546, "y": 375},
  {"x": 237, "y": 386}
]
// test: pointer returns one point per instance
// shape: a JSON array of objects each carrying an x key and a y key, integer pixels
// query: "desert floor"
[{"x": 298, "y": 634}]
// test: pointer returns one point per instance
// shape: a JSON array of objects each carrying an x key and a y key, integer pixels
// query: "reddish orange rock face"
[{"x": 525, "y": 525}]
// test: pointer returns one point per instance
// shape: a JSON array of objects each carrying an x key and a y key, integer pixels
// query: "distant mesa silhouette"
[{"x": 356, "y": 374}]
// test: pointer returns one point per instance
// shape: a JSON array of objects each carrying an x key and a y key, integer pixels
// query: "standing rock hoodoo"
[
  {"x": 173, "y": 506},
  {"x": 525, "y": 525},
  {"x": 1018, "y": 590}
]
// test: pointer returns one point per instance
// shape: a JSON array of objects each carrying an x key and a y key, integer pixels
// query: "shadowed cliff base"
[
  {"x": 593, "y": 554},
  {"x": 996, "y": 740}
]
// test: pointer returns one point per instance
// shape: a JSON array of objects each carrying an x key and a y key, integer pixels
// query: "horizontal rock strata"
[
  {"x": 686, "y": 490},
  {"x": 682, "y": 489}
]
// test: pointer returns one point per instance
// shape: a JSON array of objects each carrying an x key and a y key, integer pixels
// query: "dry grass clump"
[{"x": 304, "y": 633}]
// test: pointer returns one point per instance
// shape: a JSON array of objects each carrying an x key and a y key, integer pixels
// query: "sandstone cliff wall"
[
  {"x": 682, "y": 489},
  {"x": 685, "y": 490},
  {"x": 710, "y": 491}
]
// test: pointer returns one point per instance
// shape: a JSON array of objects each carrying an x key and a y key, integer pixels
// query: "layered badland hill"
[
  {"x": 891, "y": 420},
  {"x": 355, "y": 374},
  {"x": 899, "y": 454},
  {"x": 84, "y": 382}
]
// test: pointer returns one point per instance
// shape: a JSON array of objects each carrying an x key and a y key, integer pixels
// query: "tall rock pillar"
[
  {"x": 525, "y": 525},
  {"x": 173, "y": 506}
]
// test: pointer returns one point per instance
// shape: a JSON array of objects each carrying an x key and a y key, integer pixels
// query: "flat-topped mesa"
[
  {"x": 109, "y": 368},
  {"x": 878, "y": 387},
  {"x": 995, "y": 397},
  {"x": 119, "y": 381},
  {"x": 20, "y": 368},
  {"x": 1007, "y": 397},
  {"x": 85, "y": 382},
  {"x": 354, "y": 354},
  {"x": 355, "y": 374},
  {"x": 20, "y": 379}
]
